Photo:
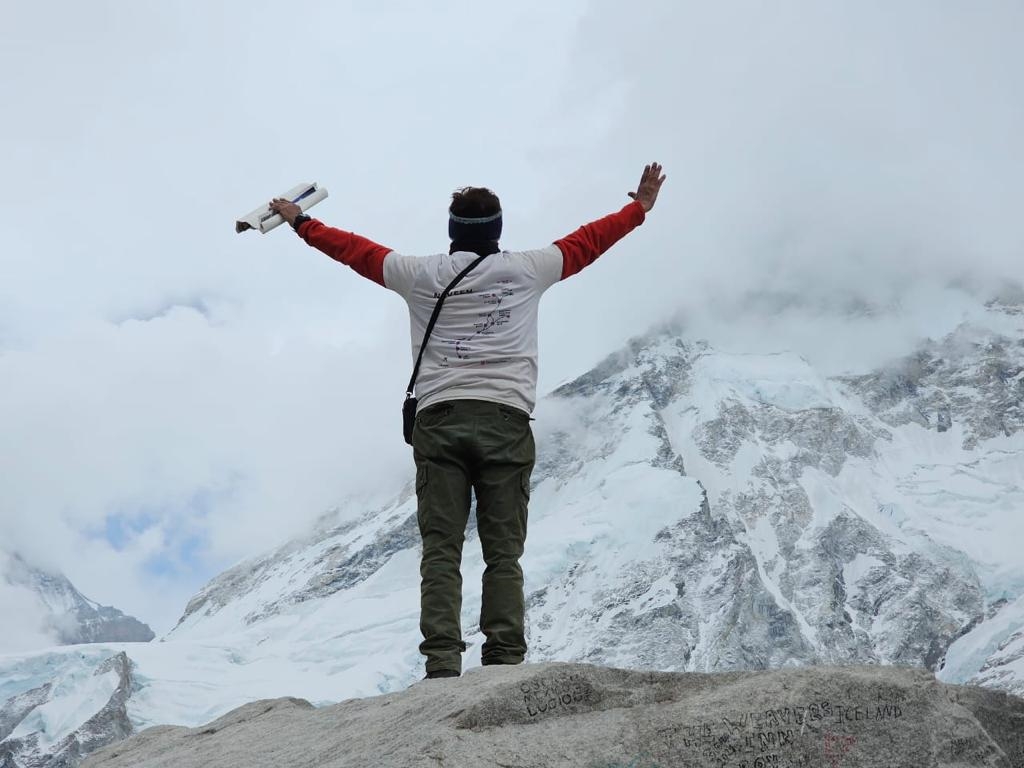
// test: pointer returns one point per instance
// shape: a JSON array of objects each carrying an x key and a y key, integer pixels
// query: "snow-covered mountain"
[
  {"x": 699, "y": 510},
  {"x": 70, "y": 616},
  {"x": 693, "y": 509}
]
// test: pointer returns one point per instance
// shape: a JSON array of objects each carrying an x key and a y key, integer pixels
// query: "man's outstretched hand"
[
  {"x": 288, "y": 209},
  {"x": 650, "y": 184}
]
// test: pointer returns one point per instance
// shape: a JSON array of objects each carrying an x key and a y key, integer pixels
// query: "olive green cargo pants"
[{"x": 461, "y": 445}]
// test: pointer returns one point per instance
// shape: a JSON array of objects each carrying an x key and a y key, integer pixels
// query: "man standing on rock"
[{"x": 477, "y": 386}]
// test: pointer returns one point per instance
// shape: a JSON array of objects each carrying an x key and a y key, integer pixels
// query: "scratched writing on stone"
[
  {"x": 774, "y": 761},
  {"x": 770, "y": 738},
  {"x": 824, "y": 711},
  {"x": 960, "y": 747},
  {"x": 545, "y": 695}
]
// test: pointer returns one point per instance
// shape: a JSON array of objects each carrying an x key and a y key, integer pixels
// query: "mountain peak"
[{"x": 70, "y": 616}]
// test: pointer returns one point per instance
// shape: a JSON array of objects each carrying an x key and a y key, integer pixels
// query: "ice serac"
[
  {"x": 72, "y": 617},
  {"x": 57, "y": 724},
  {"x": 556, "y": 715}
]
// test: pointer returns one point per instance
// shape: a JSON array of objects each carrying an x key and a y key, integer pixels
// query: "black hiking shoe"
[{"x": 441, "y": 673}]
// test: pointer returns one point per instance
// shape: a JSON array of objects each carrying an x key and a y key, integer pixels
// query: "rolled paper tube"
[{"x": 264, "y": 219}]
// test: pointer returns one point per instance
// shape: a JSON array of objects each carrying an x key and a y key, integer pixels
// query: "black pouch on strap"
[{"x": 408, "y": 418}]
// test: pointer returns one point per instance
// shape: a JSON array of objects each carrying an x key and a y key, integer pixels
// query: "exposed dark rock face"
[{"x": 973, "y": 379}]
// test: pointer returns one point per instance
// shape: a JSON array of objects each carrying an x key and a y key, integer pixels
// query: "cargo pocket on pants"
[{"x": 421, "y": 489}]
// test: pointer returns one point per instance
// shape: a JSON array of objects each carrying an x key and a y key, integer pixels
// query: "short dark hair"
[{"x": 474, "y": 202}]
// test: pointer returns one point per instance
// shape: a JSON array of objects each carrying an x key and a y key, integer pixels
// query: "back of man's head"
[
  {"x": 474, "y": 203},
  {"x": 474, "y": 216}
]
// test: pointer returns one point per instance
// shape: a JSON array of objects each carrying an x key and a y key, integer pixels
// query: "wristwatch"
[{"x": 300, "y": 220}]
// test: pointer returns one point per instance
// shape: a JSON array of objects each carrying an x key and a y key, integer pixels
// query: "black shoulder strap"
[{"x": 433, "y": 319}]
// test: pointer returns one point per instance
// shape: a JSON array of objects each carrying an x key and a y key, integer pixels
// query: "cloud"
[
  {"x": 28, "y": 628},
  {"x": 148, "y": 437},
  {"x": 836, "y": 153},
  {"x": 27, "y": 622}
]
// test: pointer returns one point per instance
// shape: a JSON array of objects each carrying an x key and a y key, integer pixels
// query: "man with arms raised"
[{"x": 477, "y": 386}]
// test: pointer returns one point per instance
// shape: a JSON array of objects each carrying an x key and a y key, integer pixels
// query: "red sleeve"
[
  {"x": 364, "y": 256},
  {"x": 582, "y": 247}
]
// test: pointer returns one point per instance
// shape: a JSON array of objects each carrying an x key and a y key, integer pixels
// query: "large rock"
[{"x": 549, "y": 715}]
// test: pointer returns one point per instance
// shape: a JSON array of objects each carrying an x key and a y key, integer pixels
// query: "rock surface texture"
[{"x": 551, "y": 715}]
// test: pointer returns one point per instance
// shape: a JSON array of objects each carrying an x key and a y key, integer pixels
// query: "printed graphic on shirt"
[
  {"x": 489, "y": 321},
  {"x": 456, "y": 292}
]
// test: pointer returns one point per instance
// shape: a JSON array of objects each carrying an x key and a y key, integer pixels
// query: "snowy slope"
[{"x": 692, "y": 509}]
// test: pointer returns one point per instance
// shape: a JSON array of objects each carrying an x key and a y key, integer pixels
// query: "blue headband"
[{"x": 476, "y": 230}]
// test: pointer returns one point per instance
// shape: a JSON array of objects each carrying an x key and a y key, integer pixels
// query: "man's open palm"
[{"x": 650, "y": 184}]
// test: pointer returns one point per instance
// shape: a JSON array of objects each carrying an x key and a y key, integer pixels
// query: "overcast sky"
[{"x": 175, "y": 397}]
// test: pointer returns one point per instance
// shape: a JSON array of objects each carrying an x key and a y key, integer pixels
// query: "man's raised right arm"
[{"x": 361, "y": 254}]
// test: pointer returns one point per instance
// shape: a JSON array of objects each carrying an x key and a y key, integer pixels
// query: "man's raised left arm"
[{"x": 581, "y": 248}]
